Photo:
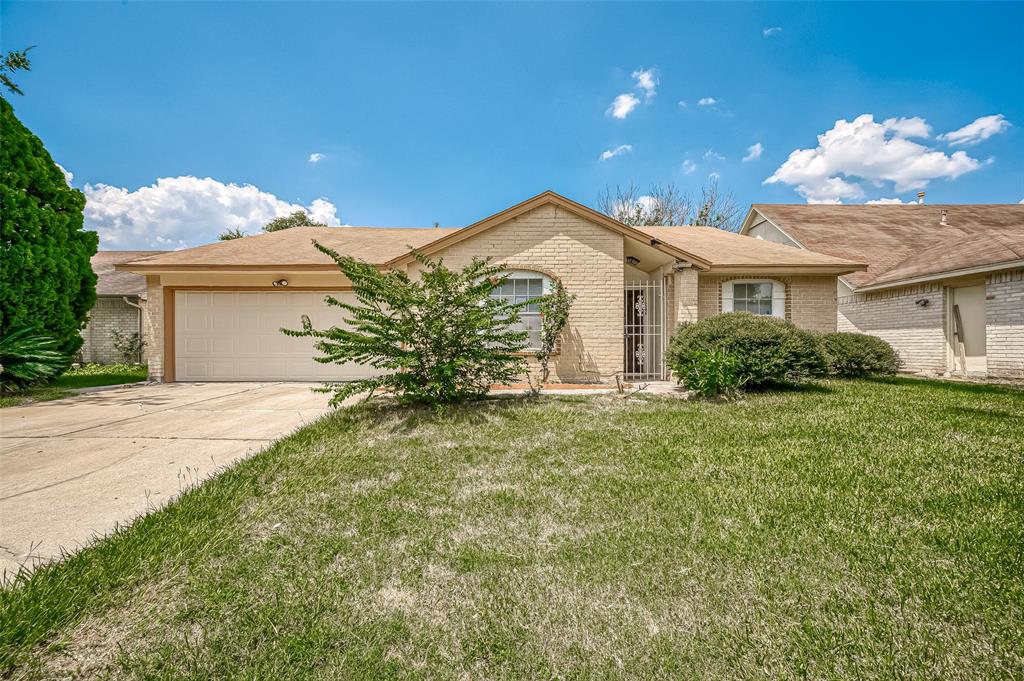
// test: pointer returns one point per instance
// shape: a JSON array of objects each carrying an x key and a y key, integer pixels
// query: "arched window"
[
  {"x": 756, "y": 296},
  {"x": 520, "y": 286}
]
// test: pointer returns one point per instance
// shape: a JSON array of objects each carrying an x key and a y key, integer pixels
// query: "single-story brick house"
[
  {"x": 214, "y": 312},
  {"x": 944, "y": 283},
  {"x": 120, "y": 297}
]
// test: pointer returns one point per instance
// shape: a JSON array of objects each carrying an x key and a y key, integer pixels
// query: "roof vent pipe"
[
  {"x": 920, "y": 198},
  {"x": 943, "y": 220}
]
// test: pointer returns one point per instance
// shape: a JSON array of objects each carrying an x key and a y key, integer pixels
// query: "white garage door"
[{"x": 235, "y": 336}]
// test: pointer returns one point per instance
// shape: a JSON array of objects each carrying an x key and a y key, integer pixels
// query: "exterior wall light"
[
  {"x": 921, "y": 302},
  {"x": 281, "y": 283},
  {"x": 634, "y": 261}
]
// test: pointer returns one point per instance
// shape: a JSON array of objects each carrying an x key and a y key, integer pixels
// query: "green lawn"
[
  {"x": 855, "y": 530},
  {"x": 85, "y": 376}
]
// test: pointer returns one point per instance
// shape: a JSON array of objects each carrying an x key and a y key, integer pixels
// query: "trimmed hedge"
[
  {"x": 855, "y": 355},
  {"x": 767, "y": 350}
]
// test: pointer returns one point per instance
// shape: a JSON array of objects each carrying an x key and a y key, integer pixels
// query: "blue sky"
[{"x": 450, "y": 112}]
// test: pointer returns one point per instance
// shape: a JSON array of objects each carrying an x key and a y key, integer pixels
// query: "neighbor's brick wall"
[
  {"x": 153, "y": 328},
  {"x": 810, "y": 300},
  {"x": 106, "y": 316},
  {"x": 1004, "y": 324},
  {"x": 917, "y": 333},
  {"x": 588, "y": 259}
]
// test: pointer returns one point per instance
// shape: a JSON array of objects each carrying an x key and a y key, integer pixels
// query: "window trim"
[
  {"x": 778, "y": 295},
  {"x": 530, "y": 274},
  {"x": 546, "y": 287}
]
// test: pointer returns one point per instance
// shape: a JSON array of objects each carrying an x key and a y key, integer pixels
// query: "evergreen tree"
[{"x": 46, "y": 281}]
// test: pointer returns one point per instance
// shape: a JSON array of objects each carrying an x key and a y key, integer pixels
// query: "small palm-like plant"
[{"x": 27, "y": 357}]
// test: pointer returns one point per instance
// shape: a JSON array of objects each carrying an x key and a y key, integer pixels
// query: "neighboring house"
[
  {"x": 119, "y": 299},
  {"x": 215, "y": 312},
  {"x": 944, "y": 283}
]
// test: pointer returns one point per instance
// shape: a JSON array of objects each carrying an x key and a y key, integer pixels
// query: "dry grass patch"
[{"x": 857, "y": 529}]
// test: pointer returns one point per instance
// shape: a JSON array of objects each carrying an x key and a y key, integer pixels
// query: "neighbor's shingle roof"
[
  {"x": 110, "y": 282},
  {"x": 728, "y": 249},
  {"x": 908, "y": 241}
]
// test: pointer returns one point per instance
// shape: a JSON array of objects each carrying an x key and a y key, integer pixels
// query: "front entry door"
[
  {"x": 636, "y": 352},
  {"x": 643, "y": 317}
]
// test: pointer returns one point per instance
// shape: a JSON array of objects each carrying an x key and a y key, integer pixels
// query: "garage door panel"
[
  {"x": 195, "y": 369},
  {"x": 197, "y": 320},
  {"x": 248, "y": 345},
  {"x": 248, "y": 320},
  {"x": 235, "y": 335},
  {"x": 196, "y": 299},
  {"x": 276, "y": 345}
]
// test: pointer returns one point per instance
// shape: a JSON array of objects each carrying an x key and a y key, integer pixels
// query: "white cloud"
[
  {"x": 688, "y": 166},
  {"x": 316, "y": 157},
  {"x": 712, "y": 155},
  {"x": 682, "y": 104},
  {"x": 770, "y": 31},
  {"x": 647, "y": 81},
  {"x": 623, "y": 105},
  {"x": 754, "y": 152},
  {"x": 707, "y": 101},
  {"x": 981, "y": 129},
  {"x": 178, "y": 212},
  {"x": 870, "y": 151},
  {"x": 617, "y": 151},
  {"x": 68, "y": 176},
  {"x": 888, "y": 202}
]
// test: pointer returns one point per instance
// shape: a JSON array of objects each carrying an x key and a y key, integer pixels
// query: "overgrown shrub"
[
  {"x": 855, "y": 355},
  {"x": 554, "y": 313},
  {"x": 28, "y": 357},
  {"x": 128, "y": 345},
  {"x": 439, "y": 339},
  {"x": 768, "y": 350},
  {"x": 711, "y": 373}
]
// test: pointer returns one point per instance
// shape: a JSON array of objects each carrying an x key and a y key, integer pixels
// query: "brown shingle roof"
[
  {"x": 110, "y": 282},
  {"x": 290, "y": 248},
  {"x": 908, "y": 241},
  {"x": 728, "y": 249}
]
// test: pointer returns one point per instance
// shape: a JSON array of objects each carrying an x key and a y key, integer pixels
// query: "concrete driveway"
[{"x": 72, "y": 469}]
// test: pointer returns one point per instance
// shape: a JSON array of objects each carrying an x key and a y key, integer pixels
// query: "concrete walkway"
[{"x": 72, "y": 469}]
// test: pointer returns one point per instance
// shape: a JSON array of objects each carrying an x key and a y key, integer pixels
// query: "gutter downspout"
[{"x": 139, "y": 308}]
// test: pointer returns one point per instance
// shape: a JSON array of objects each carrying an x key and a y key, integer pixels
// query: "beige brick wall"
[
  {"x": 917, "y": 333},
  {"x": 810, "y": 300},
  {"x": 681, "y": 293},
  {"x": 107, "y": 315},
  {"x": 1004, "y": 324},
  {"x": 153, "y": 328},
  {"x": 588, "y": 259}
]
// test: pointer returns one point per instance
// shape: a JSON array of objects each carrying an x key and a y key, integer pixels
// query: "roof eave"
[
  {"x": 948, "y": 274},
  {"x": 159, "y": 269},
  {"x": 821, "y": 269}
]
